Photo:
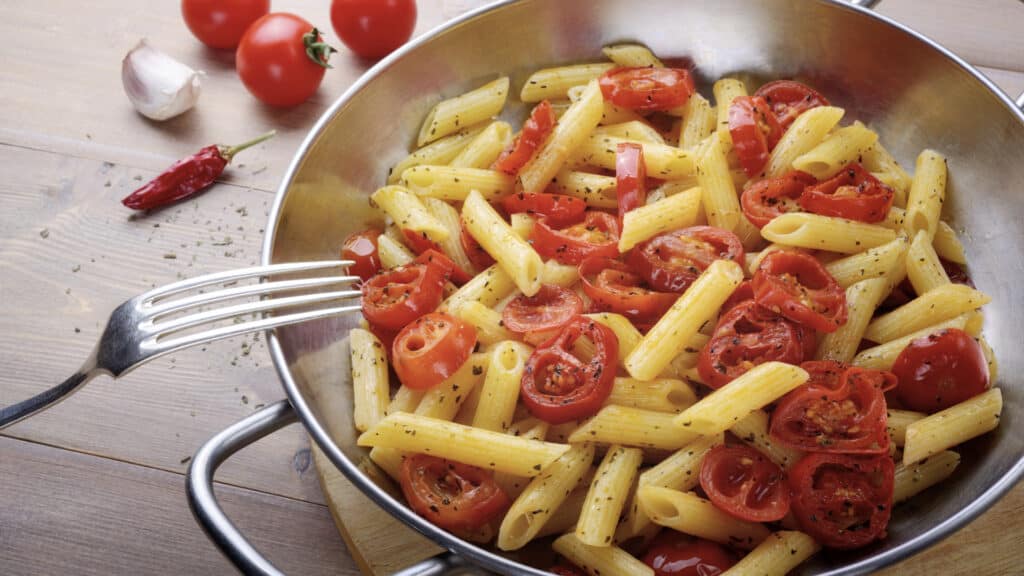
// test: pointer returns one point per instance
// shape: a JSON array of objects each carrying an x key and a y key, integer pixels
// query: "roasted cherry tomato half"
[
  {"x": 842, "y": 501},
  {"x": 956, "y": 272},
  {"x": 754, "y": 131},
  {"x": 385, "y": 335},
  {"x": 474, "y": 251},
  {"x": 418, "y": 241},
  {"x": 614, "y": 287},
  {"x": 742, "y": 293},
  {"x": 452, "y": 495},
  {"x": 557, "y": 386},
  {"x": 789, "y": 99},
  {"x": 940, "y": 370},
  {"x": 853, "y": 193},
  {"x": 744, "y": 483},
  {"x": 457, "y": 275},
  {"x": 561, "y": 210},
  {"x": 647, "y": 88},
  {"x": 671, "y": 261},
  {"x": 630, "y": 177},
  {"x": 432, "y": 348},
  {"x": 361, "y": 249},
  {"x": 567, "y": 569},
  {"x": 373, "y": 28},
  {"x": 772, "y": 197},
  {"x": 797, "y": 286},
  {"x": 398, "y": 296},
  {"x": 281, "y": 59},
  {"x": 749, "y": 335},
  {"x": 551, "y": 307},
  {"x": 675, "y": 554},
  {"x": 221, "y": 23},
  {"x": 535, "y": 131},
  {"x": 596, "y": 235},
  {"x": 848, "y": 416}
]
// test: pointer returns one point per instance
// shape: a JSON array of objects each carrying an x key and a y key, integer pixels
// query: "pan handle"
[{"x": 199, "y": 485}]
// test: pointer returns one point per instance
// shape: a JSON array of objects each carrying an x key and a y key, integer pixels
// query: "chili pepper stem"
[{"x": 228, "y": 152}]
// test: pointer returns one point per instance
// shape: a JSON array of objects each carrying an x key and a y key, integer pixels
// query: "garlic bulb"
[{"x": 159, "y": 86}]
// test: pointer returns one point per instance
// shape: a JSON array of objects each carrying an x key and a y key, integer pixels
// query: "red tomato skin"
[
  {"x": 742, "y": 293},
  {"x": 474, "y": 500},
  {"x": 674, "y": 554},
  {"x": 569, "y": 245},
  {"x": 789, "y": 99},
  {"x": 393, "y": 298},
  {"x": 566, "y": 569},
  {"x": 373, "y": 28},
  {"x": 671, "y": 261},
  {"x": 940, "y": 370},
  {"x": 784, "y": 275},
  {"x": 754, "y": 131},
  {"x": 432, "y": 348},
  {"x": 647, "y": 88},
  {"x": 560, "y": 209},
  {"x": 272, "y": 61},
  {"x": 630, "y": 177},
  {"x": 577, "y": 390},
  {"x": 615, "y": 288},
  {"x": 535, "y": 131},
  {"x": 457, "y": 275},
  {"x": 418, "y": 242},
  {"x": 746, "y": 336},
  {"x": 474, "y": 251},
  {"x": 744, "y": 483},
  {"x": 769, "y": 198},
  {"x": 551, "y": 307},
  {"x": 853, "y": 193},
  {"x": 361, "y": 248},
  {"x": 220, "y": 24},
  {"x": 826, "y": 488}
]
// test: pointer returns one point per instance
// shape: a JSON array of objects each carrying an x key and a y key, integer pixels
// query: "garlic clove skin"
[{"x": 159, "y": 86}]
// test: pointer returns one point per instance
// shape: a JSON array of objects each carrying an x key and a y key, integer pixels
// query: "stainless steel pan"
[{"x": 914, "y": 92}]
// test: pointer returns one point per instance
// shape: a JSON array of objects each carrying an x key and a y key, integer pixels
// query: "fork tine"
[
  {"x": 240, "y": 274},
  {"x": 157, "y": 310},
  {"x": 244, "y": 308},
  {"x": 170, "y": 345}
]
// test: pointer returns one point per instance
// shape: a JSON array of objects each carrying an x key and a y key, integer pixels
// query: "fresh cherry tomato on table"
[
  {"x": 630, "y": 177},
  {"x": 222, "y": 23},
  {"x": 845, "y": 415},
  {"x": 560, "y": 209},
  {"x": 647, "y": 88},
  {"x": 281, "y": 59},
  {"x": 842, "y": 501},
  {"x": 361, "y": 249},
  {"x": 744, "y": 483},
  {"x": 671, "y": 261},
  {"x": 396, "y": 297},
  {"x": 749, "y": 335},
  {"x": 853, "y": 193},
  {"x": 452, "y": 495},
  {"x": 535, "y": 131},
  {"x": 940, "y": 370},
  {"x": 797, "y": 286},
  {"x": 557, "y": 386},
  {"x": 788, "y": 99},
  {"x": 596, "y": 235},
  {"x": 431, "y": 349},
  {"x": 772, "y": 197},
  {"x": 675, "y": 554},
  {"x": 754, "y": 131},
  {"x": 614, "y": 287},
  {"x": 551, "y": 307},
  {"x": 373, "y": 28}
]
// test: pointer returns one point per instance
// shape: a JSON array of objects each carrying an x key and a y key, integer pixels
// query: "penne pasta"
[
  {"x": 879, "y": 161},
  {"x": 861, "y": 300},
  {"x": 691, "y": 514},
  {"x": 721, "y": 205},
  {"x": 485, "y": 148},
  {"x": 947, "y": 245},
  {"x": 872, "y": 263},
  {"x": 815, "y": 232},
  {"x": 489, "y": 327},
  {"x": 672, "y": 213},
  {"x": 954, "y": 425},
  {"x": 454, "y": 184},
  {"x": 488, "y": 288},
  {"x": 911, "y": 480},
  {"x": 370, "y": 392},
  {"x": 408, "y": 212},
  {"x": 842, "y": 147},
  {"x": 779, "y": 553},
  {"x": 699, "y": 119},
  {"x": 927, "y": 194},
  {"x": 439, "y": 152},
  {"x": 753, "y": 430},
  {"x": 554, "y": 83},
  {"x": 449, "y": 217},
  {"x": 633, "y": 130},
  {"x": 513, "y": 254},
  {"x": 883, "y": 356},
  {"x": 607, "y": 495},
  {"x": 501, "y": 386},
  {"x": 897, "y": 422},
  {"x": 940, "y": 304},
  {"x": 924, "y": 270},
  {"x": 600, "y": 560},
  {"x": 632, "y": 427},
  {"x": 632, "y": 56},
  {"x": 661, "y": 160},
  {"x": 444, "y": 400},
  {"x": 807, "y": 132},
  {"x": 660, "y": 395},
  {"x": 449, "y": 116},
  {"x": 596, "y": 190},
  {"x": 726, "y": 90}
]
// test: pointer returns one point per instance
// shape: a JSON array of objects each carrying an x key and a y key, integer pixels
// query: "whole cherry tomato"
[
  {"x": 221, "y": 23},
  {"x": 744, "y": 483},
  {"x": 772, "y": 197},
  {"x": 373, "y": 28},
  {"x": 551, "y": 307},
  {"x": 596, "y": 235},
  {"x": 671, "y": 261},
  {"x": 281, "y": 59},
  {"x": 396, "y": 297},
  {"x": 797, "y": 286},
  {"x": 647, "y": 88},
  {"x": 789, "y": 99},
  {"x": 535, "y": 130},
  {"x": 675, "y": 554},
  {"x": 853, "y": 193},
  {"x": 361, "y": 249},
  {"x": 940, "y": 370},
  {"x": 431, "y": 349},
  {"x": 754, "y": 131},
  {"x": 452, "y": 495}
]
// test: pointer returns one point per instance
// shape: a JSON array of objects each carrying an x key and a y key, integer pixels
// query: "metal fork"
[{"x": 138, "y": 331}]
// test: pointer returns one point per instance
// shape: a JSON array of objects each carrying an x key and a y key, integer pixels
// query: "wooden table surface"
[{"x": 96, "y": 485}]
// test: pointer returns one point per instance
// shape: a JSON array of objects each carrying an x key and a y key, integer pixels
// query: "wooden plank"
[
  {"x": 67, "y": 513},
  {"x": 58, "y": 291}
]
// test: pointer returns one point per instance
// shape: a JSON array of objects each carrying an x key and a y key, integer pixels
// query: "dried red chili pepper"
[{"x": 187, "y": 176}]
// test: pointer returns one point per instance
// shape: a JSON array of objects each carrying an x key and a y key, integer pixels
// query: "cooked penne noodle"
[
  {"x": 632, "y": 56},
  {"x": 872, "y": 263},
  {"x": 671, "y": 213},
  {"x": 954, "y": 425},
  {"x": 408, "y": 212},
  {"x": 454, "y": 184},
  {"x": 632, "y": 427},
  {"x": 924, "y": 270},
  {"x": 449, "y": 217},
  {"x": 391, "y": 253},
  {"x": 449, "y": 116},
  {"x": 554, "y": 83},
  {"x": 513, "y": 254},
  {"x": 698, "y": 121},
  {"x": 627, "y": 334},
  {"x": 607, "y": 495},
  {"x": 564, "y": 518},
  {"x": 861, "y": 300},
  {"x": 389, "y": 460},
  {"x": 883, "y": 356},
  {"x": 839, "y": 149},
  {"x": 633, "y": 130},
  {"x": 597, "y": 190},
  {"x": 485, "y": 148},
  {"x": 911, "y": 480},
  {"x": 897, "y": 422},
  {"x": 488, "y": 287},
  {"x": 501, "y": 385},
  {"x": 405, "y": 400},
  {"x": 721, "y": 205},
  {"x": 947, "y": 245},
  {"x": 807, "y": 132},
  {"x": 439, "y": 152},
  {"x": 878, "y": 160},
  {"x": 661, "y": 160},
  {"x": 600, "y": 560},
  {"x": 779, "y": 553},
  {"x": 753, "y": 430},
  {"x": 758, "y": 387},
  {"x": 726, "y": 90},
  {"x": 444, "y": 400},
  {"x": 671, "y": 334},
  {"x": 559, "y": 274},
  {"x": 487, "y": 321},
  {"x": 522, "y": 224},
  {"x": 660, "y": 395},
  {"x": 481, "y": 448},
  {"x": 927, "y": 194},
  {"x": 370, "y": 392},
  {"x": 937, "y": 305},
  {"x": 612, "y": 114},
  {"x": 815, "y": 232},
  {"x": 990, "y": 357},
  {"x": 691, "y": 514}
]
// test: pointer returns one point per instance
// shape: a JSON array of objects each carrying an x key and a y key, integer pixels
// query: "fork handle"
[{"x": 15, "y": 412}]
